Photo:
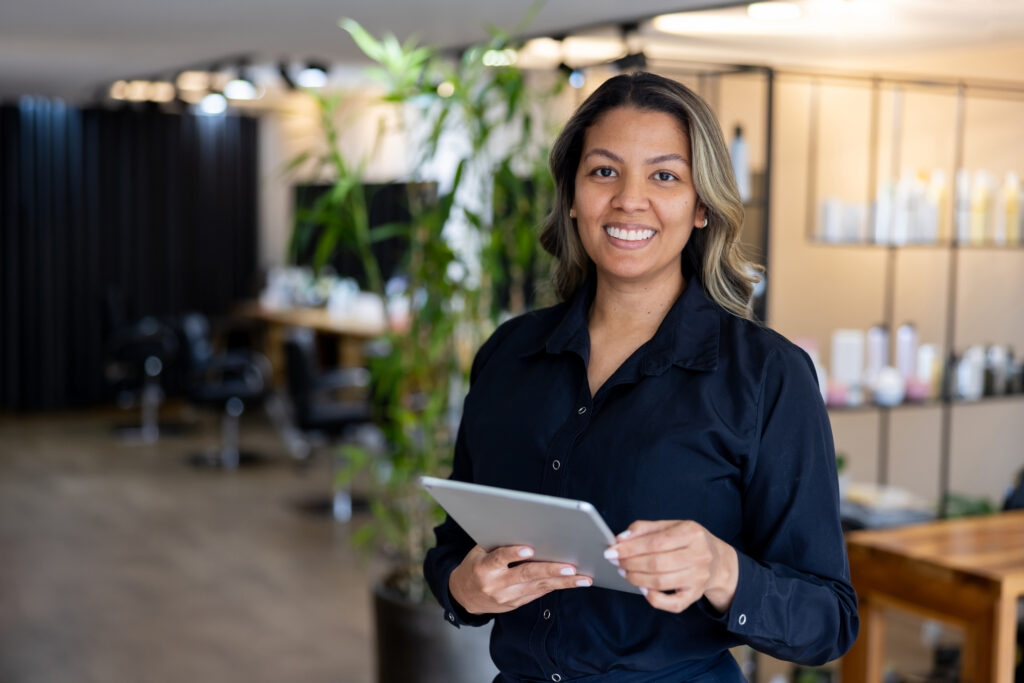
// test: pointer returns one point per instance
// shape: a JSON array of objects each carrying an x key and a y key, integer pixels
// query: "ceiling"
[{"x": 74, "y": 48}]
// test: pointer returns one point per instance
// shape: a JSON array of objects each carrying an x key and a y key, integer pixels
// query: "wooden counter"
[{"x": 969, "y": 572}]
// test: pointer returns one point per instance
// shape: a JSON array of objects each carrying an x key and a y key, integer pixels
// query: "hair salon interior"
[{"x": 248, "y": 250}]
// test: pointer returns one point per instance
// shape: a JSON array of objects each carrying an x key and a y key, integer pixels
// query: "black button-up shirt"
[{"x": 714, "y": 419}]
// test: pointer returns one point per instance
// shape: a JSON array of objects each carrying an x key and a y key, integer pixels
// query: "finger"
[
  {"x": 684, "y": 559},
  {"x": 642, "y": 527},
  {"x": 534, "y": 571},
  {"x": 670, "y": 536},
  {"x": 502, "y": 557},
  {"x": 684, "y": 580},
  {"x": 675, "y": 603},
  {"x": 521, "y": 593}
]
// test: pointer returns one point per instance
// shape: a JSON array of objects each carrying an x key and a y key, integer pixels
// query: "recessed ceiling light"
[
  {"x": 241, "y": 89},
  {"x": 161, "y": 91},
  {"x": 313, "y": 76},
  {"x": 193, "y": 80},
  {"x": 774, "y": 11},
  {"x": 213, "y": 104}
]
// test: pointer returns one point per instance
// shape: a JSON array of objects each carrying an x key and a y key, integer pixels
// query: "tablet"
[{"x": 558, "y": 529}]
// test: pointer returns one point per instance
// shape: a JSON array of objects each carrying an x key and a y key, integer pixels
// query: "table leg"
[
  {"x": 863, "y": 663},
  {"x": 990, "y": 645}
]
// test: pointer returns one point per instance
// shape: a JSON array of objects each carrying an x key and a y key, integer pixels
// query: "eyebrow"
[{"x": 662, "y": 158}]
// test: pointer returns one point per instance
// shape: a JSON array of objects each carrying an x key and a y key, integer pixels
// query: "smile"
[{"x": 630, "y": 235}]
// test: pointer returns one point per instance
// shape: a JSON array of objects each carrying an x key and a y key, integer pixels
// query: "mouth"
[{"x": 634, "y": 234}]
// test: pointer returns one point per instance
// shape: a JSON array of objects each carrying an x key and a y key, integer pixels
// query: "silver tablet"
[{"x": 558, "y": 529}]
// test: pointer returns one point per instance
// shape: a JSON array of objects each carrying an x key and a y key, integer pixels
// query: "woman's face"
[{"x": 635, "y": 202}]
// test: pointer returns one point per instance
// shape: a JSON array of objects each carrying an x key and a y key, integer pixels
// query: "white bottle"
[
  {"x": 883, "y": 213},
  {"x": 878, "y": 353},
  {"x": 963, "y": 206},
  {"x": 906, "y": 350},
  {"x": 848, "y": 362},
  {"x": 741, "y": 164}
]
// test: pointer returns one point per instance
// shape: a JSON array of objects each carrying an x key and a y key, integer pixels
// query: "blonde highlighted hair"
[{"x": 712, "y": 253}]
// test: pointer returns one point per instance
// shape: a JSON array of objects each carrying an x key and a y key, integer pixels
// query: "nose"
[{"x": 631, "y": 195}]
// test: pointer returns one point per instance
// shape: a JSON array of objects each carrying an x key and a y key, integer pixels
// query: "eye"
[
  {"x": 665, "y": 176},
  {"x": 603, "y": 172}
]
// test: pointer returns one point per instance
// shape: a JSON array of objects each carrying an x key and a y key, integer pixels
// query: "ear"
[{"x": 700, "y": 216}]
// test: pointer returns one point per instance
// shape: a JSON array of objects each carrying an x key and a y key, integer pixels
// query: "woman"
[{"x": 695, "y": 432}]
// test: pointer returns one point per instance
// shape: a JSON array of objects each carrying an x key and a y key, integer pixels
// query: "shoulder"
[
  {"x": 762, "y": 351},
  {"x": 518, "y": 336}
]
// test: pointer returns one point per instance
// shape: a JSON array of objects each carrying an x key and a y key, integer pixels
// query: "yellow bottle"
[
  {"x": 1011, "y": 198},
  {"x": 981, "y": 198}
]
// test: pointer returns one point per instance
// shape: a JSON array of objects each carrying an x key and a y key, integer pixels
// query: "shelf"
[
  {"x": 916, "y": 245},
  {"x": 874, "y": 407}
]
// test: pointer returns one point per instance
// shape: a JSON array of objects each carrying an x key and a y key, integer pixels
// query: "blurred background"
[{"x": 247, "y": 251}]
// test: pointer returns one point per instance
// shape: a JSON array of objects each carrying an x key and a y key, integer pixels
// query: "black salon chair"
[
  {"x": 136, "y": 355},
  {"x": 326, "y": 406},
  {"x": 228, "y": 381}
]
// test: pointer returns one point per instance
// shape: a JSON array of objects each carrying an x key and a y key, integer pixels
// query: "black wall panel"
[{"x": 159, "y": 207}]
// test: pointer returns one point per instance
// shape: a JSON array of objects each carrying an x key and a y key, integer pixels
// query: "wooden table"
[
  {"x": 348, "y": 334},
  {"x": 969, "y": 572}
]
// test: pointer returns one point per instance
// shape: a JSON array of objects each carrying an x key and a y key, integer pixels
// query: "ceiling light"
[
  {"x": 577, "y": 79},
  {"x": 773, "y": 11},
  {"x": 313, "y": 76},
  {"x": 137, "y": 91},
  {"x": 161, "y": 91},
  {"x": 544, "y": 48},
  {"x": 193, "y": 80},
  {"x": 241, "y": 89},
  {"x": 213, "y": 104},
  {"x": 590, "y": 50},
  {"x": 119, "y": 90}
]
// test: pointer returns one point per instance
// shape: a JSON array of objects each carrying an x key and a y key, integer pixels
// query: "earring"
[
  {"x": 705, "y": 223},
  {"x": 572, "y": 213}
]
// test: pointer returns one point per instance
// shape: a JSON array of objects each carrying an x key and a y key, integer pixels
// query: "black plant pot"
[{"x": 416, "y": 645}]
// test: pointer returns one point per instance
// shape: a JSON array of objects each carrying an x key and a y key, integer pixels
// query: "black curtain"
[{"x": 161, "y": 208}]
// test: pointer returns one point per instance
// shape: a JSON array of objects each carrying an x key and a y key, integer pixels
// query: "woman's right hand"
[{"x": 485, "y": 583}]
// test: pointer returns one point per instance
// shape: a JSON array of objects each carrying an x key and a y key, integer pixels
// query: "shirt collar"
[{"x": 688, "y": 336}]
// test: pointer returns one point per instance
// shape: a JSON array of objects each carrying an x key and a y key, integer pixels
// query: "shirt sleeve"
[
  {"x": 453, "y": 543},
  {"x": 793, "y": 599}
]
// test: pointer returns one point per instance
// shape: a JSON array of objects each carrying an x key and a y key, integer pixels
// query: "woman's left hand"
[{"x": 679, "y": 556}]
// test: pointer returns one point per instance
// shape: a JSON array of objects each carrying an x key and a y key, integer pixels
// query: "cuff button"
[
  {"x": 451, "y": 617},
  {"x": 742, "y": 620}
]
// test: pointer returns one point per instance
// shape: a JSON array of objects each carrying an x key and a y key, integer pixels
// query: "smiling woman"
[{"x": 695, "y": 432}]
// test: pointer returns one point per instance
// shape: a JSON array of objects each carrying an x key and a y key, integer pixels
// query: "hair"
[{"x": 713, "y": 253}]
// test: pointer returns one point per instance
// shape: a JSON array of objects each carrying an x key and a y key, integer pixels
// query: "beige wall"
[{"x": 816, "y": 288}]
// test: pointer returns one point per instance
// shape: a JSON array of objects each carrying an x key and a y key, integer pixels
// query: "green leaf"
[{"x": 367, "y": 43}]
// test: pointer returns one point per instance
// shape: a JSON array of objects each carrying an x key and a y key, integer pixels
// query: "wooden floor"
[{"x": 124, "y": 563}]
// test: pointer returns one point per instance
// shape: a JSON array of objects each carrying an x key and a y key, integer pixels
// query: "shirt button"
[
  {"x": 742, "y": 620},
  {"x": 556, "y": 678},
  {"x": 555, "y": 465},
  {"x": 451, "y": 617},
  {"x": 582, "y": 410},
  {"x": 546, "y": 614}
]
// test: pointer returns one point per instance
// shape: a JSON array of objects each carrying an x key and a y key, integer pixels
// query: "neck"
[{"x": 637, "y": 307}]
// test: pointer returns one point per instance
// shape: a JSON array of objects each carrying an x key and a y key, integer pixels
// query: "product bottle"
[
  {"x": 937, "y": 209},
  {"x": 878, "y": 353},
  {"x": 741, "y": 164},
  {"x": 883, "y": 213},
  {"x": 1011, "y": 200},
  {"x": 963, "y": 206},
  {"x": 981, "y": 214},
  {"x": 906, "y": 350}
]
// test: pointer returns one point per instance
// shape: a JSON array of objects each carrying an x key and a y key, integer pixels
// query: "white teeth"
[{"x": 630, "y": 235}]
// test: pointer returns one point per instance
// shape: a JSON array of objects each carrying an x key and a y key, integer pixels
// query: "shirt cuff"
[
  {"x": 742, "y": 615},
  {"x": 454, "y": 613}
]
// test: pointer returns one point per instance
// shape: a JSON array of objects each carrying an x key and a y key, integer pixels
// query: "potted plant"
[{"x": 454, "y": 296}]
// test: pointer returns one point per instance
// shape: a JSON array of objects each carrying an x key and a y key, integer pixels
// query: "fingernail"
[
  {"x": 614, "y": 562},
  {"x": 611, "y": 554},
  {"x": 583, "y": 583},
  {"x": 622, "y": 573},
  {"x": 644, "y": 591},
  {"x": 624, "y": 535},
  {"x": 568, "y": 571},
  {"x": 525, "y": 552}
]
